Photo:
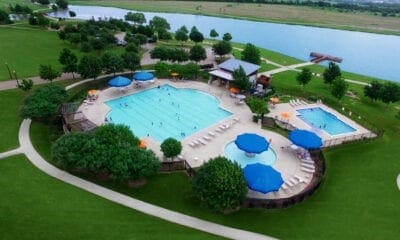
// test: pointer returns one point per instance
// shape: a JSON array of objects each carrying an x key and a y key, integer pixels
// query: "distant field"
[{"x": 275, "y": 13}]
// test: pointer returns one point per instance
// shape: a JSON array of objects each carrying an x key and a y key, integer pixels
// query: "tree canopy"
[
  {"x": 69, "y": 60},
  {"x": 257, "y": 105},
  {"x": 331, "y": 73},
  {"x": 171, "y": 147},
  {"x": 304, "y": 77},
  {"x": 373, "y": 90},
  {"x": 181, "y": 35},
  {"x": 251, "y": 54},
  {"x": 197, "y": 53},
  {"x": 227, "y": 37},
  {"x": 158, "y": 23},
  {"x": 240, "y": 79},
  {"x": 222, "y": 48},
  {"x": 339, "y": 87},
  {"x": 195, "y": 35},
  {"x": 136, "y": 18},
  {"x": 47, "y": 72},
  {"x": 220, "y": 184},
  {"x": 112, "y": 62},
  {"x": 390, "y": 93},
  {"x": 90, "y": 66},
  {"x": 131, "y": 60},
  {"x": 63, "y": 4},
  {"x": 213, "y": 33}
]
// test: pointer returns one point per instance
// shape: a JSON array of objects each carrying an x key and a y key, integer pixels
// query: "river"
[{"x": 370, "y": 54}]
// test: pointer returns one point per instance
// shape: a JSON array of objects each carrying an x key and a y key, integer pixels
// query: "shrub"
[{"x": 220, "y": 184}]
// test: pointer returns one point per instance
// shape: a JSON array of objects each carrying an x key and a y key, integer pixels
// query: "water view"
[{"x": 369, "y": 54}]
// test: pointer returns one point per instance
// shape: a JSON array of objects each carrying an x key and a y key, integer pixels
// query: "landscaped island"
[{"x": 358, "y": 188}]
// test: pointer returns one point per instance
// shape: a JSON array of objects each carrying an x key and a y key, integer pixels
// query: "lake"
[{"x": 370, "y": 54}]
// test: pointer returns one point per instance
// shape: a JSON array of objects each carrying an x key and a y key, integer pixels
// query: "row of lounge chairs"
[
  {"x": 307, "y": 167},
  {"x": 297, "y": 102},
  {"x": 207, "y": 138}
]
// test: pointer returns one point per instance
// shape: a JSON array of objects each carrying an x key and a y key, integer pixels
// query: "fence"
[
  {"x": 181, "y": 165},
  {"x": 316, "y": 181},
  {"x": 341, "y": 140}
]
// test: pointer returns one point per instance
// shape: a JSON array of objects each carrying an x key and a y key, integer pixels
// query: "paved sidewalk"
[
  {"x": 10, "y": 153},
  {"x": 168, "y": 215}
]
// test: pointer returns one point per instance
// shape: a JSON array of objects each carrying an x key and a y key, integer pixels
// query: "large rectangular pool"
[
  {"x": 326, "y": 121},
  {"x": 165, "y": 111}
]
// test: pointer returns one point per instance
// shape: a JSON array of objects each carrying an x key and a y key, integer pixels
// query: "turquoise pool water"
[
  {"x": 233, "y": 153},
  {"x": 165, "y": 111},
  {"x": 328, "y": 122}
]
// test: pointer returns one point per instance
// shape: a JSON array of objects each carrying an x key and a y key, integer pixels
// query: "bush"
[
  {"x": 44, "y": 103},
  {"x": 220, "y": 184}
]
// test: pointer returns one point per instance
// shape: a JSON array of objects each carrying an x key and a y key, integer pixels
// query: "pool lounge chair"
[
  {"x": 202, "y": 141},
  {"x": 306, "y": 170},
  {"x": 307, "y": 165},
  {"x": 218, "y": 130},
  {"x": 205, "y": 137},
  {"x": 212, "y": 134},
  {"x": 298, "y": 102},
  {"x": 292, "y": 103}
]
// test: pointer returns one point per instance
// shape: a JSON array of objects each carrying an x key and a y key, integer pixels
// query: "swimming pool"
[
  {"x": 326, "y": 121},
  {"x": 166, "y": 111},
  {"x": 233, "y": 153}
]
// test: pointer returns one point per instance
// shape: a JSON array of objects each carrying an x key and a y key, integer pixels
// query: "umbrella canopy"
[
  {"x": 143, "y": 76},
  {"x": 93, "y": 92},
  {"x": 142, "y": 143},
  {"x": 251, "y": 143},
  {"x": 274, "y": 100},
  {"x": 234, "y": 90},
  {"x": 305, "y": 139},
  {"x": 285, "y": 115},
  {"x": 262, "y": 178},
  {"x": 119, "y": 82},
  {"x": 174, "y": 74}
]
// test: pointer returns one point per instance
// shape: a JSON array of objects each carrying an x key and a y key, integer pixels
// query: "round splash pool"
[{"x": 233, "y": 153}]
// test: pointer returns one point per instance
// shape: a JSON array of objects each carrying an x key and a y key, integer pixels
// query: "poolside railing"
[{"x": 181, "y": 165}]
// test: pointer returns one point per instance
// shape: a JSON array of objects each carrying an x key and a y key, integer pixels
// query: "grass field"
[
  {"x": 264, "y": 12},
  {"x": 34, "y": 205}
]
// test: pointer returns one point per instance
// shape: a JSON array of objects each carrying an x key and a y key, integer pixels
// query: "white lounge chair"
[
  {"x": 298, "y": 102},
  {"x": 197, "y": 142},
  {"x": 306, "y": 165},
  {"x": 218, "y": 130},
  {"x": 236, "y": 119},
  {"x": 292, "y": 103},
  {"x": 303, "y": 102},
  {"x": 306, "y": 170},
  {"x": 192, "y": 144},
  {"x": 212, "y": 134},
  {"x": 206, "y": 138},
  {"x": 294, "y": 181},
  {"x": 202, "y": 141},
  {"x": 284, "y": 187},
  {"x": 288, "y": 183}
]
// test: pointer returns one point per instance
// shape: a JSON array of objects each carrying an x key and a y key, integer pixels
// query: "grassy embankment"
[
  {"x": 34, "y": 205},
  {"x": 264, "y": 12}
]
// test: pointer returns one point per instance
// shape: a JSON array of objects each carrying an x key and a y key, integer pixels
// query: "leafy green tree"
[
  {"x": 304, "y": 77},
  {"x": 373, "y": 90},
  {"x": 331, "y": 73},
  {"x": 251, "y": 54},
  {"x": 90, "y": 66},
  {"x": 184, "y": 28},
  {"x": 86, "y": 47},
  {"x": 25, "y": 85},
  {"x": 227, "y": 37},
  {"x": 44, "y": 103},
  {"x": 339, "y": 88},
  {"x": 220, "y": 184},
  {"x": 112, "y": 62},
  {"x": 131, "y": 60},
  {"x": 213, "y": 33},
  {"x": 47, "y": 72},
  {"x": 72, "y": 13},
  {"x": 222, "y": 48},
  {"x": 390, "y": 93},
  {"x": 63, "y": 4},
  {"x": 160, "y": 52},
  {"x": 97, "y": 44},
  {"x": 142, "y": 39},
  {"x": 178, "y": 55},
  {"x": 131, "y": 47},
  {"x": 190, "y": 71},
  {"x": 69, "y": 60},
  {"x": 164, "y": 34},
  {"x": 240, "y": 79},
  {"x": 258, "y": 106},
  {"x": 181, "y": 35},
  {"x": 171, "y": 148},
  {"x": 197, "y": 53},
  {"x": 136, "y": 18},
  {"x": 4, "y": 18},
  {"x": 162, "y": 69},
  {"x": 195, "y": 35},
  {"x": 158, "y": 23}
]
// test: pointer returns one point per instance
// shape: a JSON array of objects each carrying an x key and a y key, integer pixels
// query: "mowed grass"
[
  {"x": 264, "y": 12},
  {"x": 26, "y": 49},
  {"x": 34, "y": 205}
]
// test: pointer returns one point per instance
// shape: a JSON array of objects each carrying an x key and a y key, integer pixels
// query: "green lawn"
[{"x": 34, "y": 205}]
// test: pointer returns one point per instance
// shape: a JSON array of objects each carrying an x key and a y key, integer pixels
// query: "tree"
[
  {"x": 4, "y": 18},
  {"x": 25, "y": 85},
  {"x": 72, "y": 13},
  {"x": 331, "y": 73},
  {"x": 390, "y": 93},
  {"x": 136, "y": 18},
  {"x": 69, "y": 60},
  {"x": 89, "y": 66},
  {"x": 181, "y": 35},
  {"x": 190, "y": 71},
  {"x": 240, "y": 79},
  {"x": 222, "y": 48},
  {"x": 251, "y": 54},
  {"x": 131, "y": 60},
  {"x": 158, "y": 23},
  {"x": 339, "y": 88},
  {"x": 227, "y": 37},
  {"x": 97, "y": 44},
  {"x": 162, "y": 69},
  {"x": 44, "y": 103},
  {"x": 63, "y": 4},
  {"x": 258, "y": 106},
  {"x": 184, "y": 29},
  {"x": 195, "y": 35},
  {"x": 220, "y": 184},
  {"x": 142, "y": 39},
  {"x": 112, "y": 63},
  {"x": 164, "y": 34},
  {"x": 373, "y": 90},
  {"x": 171, "y": 148},
  {"x": 47, "y": 72},
  {"x": 213, "y": 33},
  {"x": 178, "y": 55},
  {"x": 160, "y": 52},
  {"x": 304, "y": 77},
  {"x": 197, "y": 53},
  {"x": 131, "y": 47}
]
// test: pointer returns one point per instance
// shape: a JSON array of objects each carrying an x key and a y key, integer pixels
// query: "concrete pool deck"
[{"x": 287, "y": 162}]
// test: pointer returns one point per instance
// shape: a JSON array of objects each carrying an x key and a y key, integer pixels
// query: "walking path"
[
  {"x": 398, "y": 181},
  {"x": 287, "y": 68},
  {"x": 10, "y": 153},
  {"x": 168, "y": 215}
]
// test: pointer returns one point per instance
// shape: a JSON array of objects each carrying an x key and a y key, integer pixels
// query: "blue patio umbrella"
[
  {"x": 143, "y": 76},
  {"x": 305, "y": 139},
  {"x": 119, "y": 82},
  {"x": 262, "y": 178},
  {"x": 251, "y": 143}
]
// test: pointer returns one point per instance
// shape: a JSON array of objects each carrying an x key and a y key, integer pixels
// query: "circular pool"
[{"x": 232, "y": 152}]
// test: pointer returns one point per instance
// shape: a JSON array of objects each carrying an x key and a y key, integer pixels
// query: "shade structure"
[
  {"x": 143, "y": 76},
  {"x": 119, "y": 82},
  {"x": 251, "y": 143},
  {"x": 274, "y": 100},
  {"x": 234, "y": 90},
  {"x": 93, "y": 92},
  {"x": 142, "y": 143},
  {"x": 262, "y": 178},
  {"x": 305, "y": 139},
  {"x": 174, "y": 74},
  {"x": 285, "y": 115}
]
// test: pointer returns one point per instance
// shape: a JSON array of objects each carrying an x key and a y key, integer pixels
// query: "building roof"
[
  {"x": 222, "y": 74},
  {"x": 232, "y": 64}
]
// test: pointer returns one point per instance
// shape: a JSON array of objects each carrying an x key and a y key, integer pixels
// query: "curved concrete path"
[
  {"x": 168, "y": 215},
  {"x": 398, "y": 181}
]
